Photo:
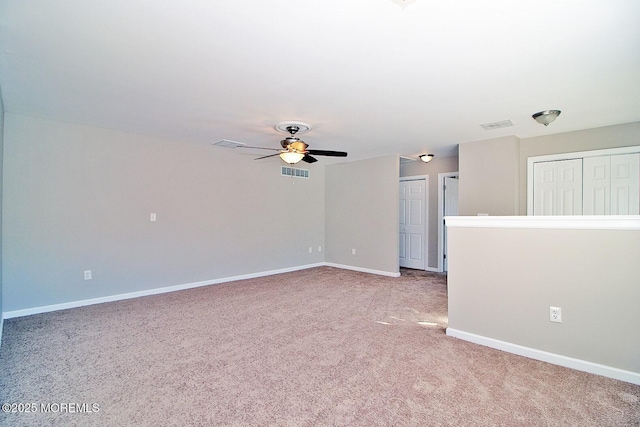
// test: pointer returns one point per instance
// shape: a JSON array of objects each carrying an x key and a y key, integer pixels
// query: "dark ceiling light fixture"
[
  {"x": 426, "y": 157},
  {"x": 547, "y": 116}
]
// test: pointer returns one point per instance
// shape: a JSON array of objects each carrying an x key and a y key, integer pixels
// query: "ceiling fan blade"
[
  {"x": 270, "y": 155},
  {"x": 261, "y": 148},
  {"x": 308, "y": 159},
  {"x": 328, "y": 153}
]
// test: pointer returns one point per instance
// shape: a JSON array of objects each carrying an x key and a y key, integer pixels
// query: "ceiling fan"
[{"x": 293, "y": 148}]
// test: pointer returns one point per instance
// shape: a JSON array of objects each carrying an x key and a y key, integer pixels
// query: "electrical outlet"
[
  {"x": 87, "y": 275},
  {"x": 555, "y": 314},
  {"x": 152, "y": 217},
  {"x": 319, "y": 248},
  {"x": 353, "y": 251},
  {"x": 310, "y": 249}
]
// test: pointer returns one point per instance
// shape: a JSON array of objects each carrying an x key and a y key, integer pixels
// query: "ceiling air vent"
[
  {"x": 295, "y": 172},
  {"x": 228, "y": 144},
  {"x": 497, "y": 125}
]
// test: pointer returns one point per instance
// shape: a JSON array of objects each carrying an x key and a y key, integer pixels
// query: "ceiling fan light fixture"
[
  {"x": 291, "y": 157},
  {"x": 547, "y": 116},
  {"x": 426, "y": 157}
]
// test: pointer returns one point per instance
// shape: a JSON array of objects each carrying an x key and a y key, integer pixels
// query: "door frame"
[
  {"x": 425, "y": 243},
  {"x": 441, "y": 177}
]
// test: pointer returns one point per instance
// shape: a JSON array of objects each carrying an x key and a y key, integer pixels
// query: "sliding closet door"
[
  {"x": 557, "y": 187},
  {"x": 611, "y": 185},
  {"x": 625, "y": 184},
  {"x": 600, "y": 182},
  {"x": 597, "y": 185}
]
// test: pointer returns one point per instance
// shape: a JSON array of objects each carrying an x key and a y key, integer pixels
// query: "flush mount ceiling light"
[
  {"x": 426, "y": 157},
  {"x": 547, "y": 116}
]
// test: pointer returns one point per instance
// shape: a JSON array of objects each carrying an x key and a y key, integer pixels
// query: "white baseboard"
[
  {"x": 147, "y": 292},
  {"x": 155, "y": 291},
  {"x": 556, "y": 359},
  {"x": 363, "y": 270}
]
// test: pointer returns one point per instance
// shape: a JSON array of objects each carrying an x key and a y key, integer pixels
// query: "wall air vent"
[
  {"x": 497, "y": 125},
  {"x": 295, "y": 172}
]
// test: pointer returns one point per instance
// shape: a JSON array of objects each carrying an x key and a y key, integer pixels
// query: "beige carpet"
[{"x": 320, "y": 347}]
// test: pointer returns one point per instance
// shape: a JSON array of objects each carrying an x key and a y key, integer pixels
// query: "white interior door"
[
  {"x": 557, "y": 187},
  {"x": 544, "y": 188},
  {"x": 450, "y": 209},
  {"x": 611, "y": 185},
  {"x": 597, "y": 185},
  {"x": 413, "y": 228},
  {"x": 607, "y": 183},
  {"x": 625, "y": 184}
]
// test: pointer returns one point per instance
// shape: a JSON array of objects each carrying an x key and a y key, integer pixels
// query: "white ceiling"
[{"x": 373, "y": 77}]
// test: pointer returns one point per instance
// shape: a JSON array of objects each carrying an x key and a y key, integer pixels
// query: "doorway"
[{"x": 447, "y": 206}]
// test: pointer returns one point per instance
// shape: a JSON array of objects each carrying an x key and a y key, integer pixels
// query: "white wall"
[
  {"x": 503, "y": 278},
  {"x": 489, "y": 176},
  {"x": 362, "y": 213},
  {"x": 78, "y": 198}
]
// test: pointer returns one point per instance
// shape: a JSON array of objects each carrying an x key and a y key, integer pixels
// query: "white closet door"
[
  {"x": 544, "y": 188},
  {"x": 570, "y": 187},
  {"x": 557, "y": 188},
  {"x": 597, "y": 185},
  {"x": 625, "y": 184},
  {"x": 612, "y": 185}
]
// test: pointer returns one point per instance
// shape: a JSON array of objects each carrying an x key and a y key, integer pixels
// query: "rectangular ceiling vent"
[
  {"x": 295, "y": 172},
  {"x": 228, "y": 144},
  {"x": 497, "y": 125}
]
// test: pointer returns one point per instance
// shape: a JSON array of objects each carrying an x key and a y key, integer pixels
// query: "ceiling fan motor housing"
[{"x": 294, "y": 144}]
